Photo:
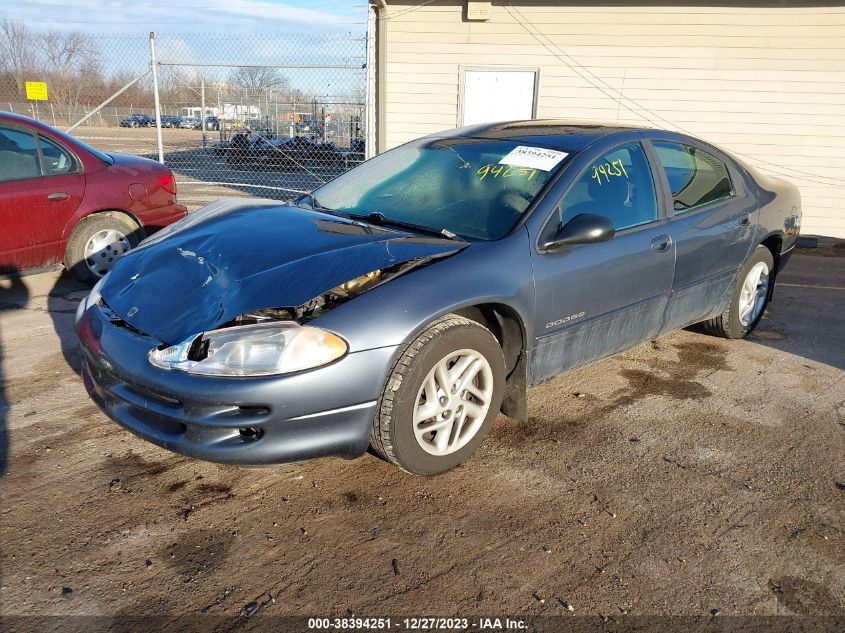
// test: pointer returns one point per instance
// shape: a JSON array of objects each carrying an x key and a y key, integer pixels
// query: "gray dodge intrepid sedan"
[{"x": 404, "y": 304}]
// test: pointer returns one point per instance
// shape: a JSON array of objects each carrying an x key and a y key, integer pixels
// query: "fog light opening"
[{"x": 251, "y": 433}]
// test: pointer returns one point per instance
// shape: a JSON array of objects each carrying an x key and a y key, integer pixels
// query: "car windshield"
[{"x": 474, "y": 188}]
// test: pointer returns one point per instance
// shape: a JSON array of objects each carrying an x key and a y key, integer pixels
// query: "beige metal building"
[{"x": 765, "y": 80}]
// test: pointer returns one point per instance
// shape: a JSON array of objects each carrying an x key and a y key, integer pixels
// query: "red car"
[{"x": 63, "y": 202}]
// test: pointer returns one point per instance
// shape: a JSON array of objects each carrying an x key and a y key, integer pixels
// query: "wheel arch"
[
  {"x": 508, "y": 327},
  {"x": 505, "y": 324},
  {"x": 75, "y": 222},
  {"x": 774, "y": 242}
]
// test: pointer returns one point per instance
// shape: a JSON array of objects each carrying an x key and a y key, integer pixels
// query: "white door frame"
[{"x": 462, "y": 70}]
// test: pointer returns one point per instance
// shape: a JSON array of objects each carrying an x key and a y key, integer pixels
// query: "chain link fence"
[{"x": 259, "y": 115}]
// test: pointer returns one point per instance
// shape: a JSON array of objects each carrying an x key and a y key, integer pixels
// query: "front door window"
[{"x": 618, "y": 185}]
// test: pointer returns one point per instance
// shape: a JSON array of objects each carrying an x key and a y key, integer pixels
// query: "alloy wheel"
[
  {"x": 453, "y": 402},
  {"x": 752, "y": 297}
]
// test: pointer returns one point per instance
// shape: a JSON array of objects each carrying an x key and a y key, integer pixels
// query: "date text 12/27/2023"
[{"x": 416, "y": 624}]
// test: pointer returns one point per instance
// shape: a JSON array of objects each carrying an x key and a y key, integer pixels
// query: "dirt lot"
[{"x": 689, "y": 475}]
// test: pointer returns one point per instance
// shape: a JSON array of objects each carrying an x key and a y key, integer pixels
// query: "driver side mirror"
[{"x": 584, "y": 228}]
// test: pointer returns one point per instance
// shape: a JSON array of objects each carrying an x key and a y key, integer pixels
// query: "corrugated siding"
[{"x": 766, "y": 83}]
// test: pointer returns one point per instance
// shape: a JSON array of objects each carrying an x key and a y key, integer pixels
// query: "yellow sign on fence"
[{"x": 36, "y": 90}]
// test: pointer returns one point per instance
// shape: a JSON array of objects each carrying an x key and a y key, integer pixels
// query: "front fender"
[{"x": 485, "y": 272}]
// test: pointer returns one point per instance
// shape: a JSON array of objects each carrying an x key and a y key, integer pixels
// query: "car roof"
[
  {"x": 571, "y": 136},
  {"x": 13, "y": 117}
]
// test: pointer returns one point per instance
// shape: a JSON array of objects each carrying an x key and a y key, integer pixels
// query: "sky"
[{"x": 189, "y": 16}]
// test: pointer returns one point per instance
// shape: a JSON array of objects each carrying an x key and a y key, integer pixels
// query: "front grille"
[{"x": 165, "y": 411}]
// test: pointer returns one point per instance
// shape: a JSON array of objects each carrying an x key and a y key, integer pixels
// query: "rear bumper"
[
  {"x": 783, "y": 260},
  {"x": 156, "y": 219},
  {"x": 248, "y": 421}
]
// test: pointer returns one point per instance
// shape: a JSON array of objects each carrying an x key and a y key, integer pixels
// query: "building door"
[{"x": 498, "y": 95}]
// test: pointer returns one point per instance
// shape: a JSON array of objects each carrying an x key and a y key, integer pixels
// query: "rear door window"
[
  {"x": 696, "y": 178},
  {"x": 57, "y": 160},
  {"x": 18, "y": 155}
]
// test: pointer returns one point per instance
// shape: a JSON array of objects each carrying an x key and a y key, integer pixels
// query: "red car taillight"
[{"x": 168, "y": 183}]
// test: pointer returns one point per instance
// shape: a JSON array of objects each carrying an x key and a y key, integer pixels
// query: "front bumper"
[{"x": 248, "y": 421}]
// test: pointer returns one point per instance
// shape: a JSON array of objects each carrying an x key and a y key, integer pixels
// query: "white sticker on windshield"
[{"x": 533, "y": 157}]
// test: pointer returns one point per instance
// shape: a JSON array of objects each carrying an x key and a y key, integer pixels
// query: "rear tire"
[
  {"x": 749, "y": 297},
  {"x": 425, "y": 428},
  {"x": 110, "y": 233}
]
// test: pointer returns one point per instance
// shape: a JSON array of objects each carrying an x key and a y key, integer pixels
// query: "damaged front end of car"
[
  {"x": 273, "y": 341},
  {"x": 228, "y": 340}
]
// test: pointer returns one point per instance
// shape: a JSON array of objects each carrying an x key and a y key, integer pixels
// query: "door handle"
[
  {"x": 661, "y": 243},
  {"x": 59, "y": 195},
  {"x": 744, "y": 220}
]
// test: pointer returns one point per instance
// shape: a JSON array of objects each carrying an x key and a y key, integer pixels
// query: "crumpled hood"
[{"x": 237, "y": 255}]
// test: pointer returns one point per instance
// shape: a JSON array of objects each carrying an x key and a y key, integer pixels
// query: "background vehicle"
[
  {"x": 189, "y": 123},
  {"x": 212, "y": 123},
  {"x": 495, "y": 257},
  {"x": 265, "y": 150},
  {"x": 62, "y": 201},
  {"x": 355, "y": 154},
  {"x": 137, "y": 120},
  {"x": 169, "y": 120}
]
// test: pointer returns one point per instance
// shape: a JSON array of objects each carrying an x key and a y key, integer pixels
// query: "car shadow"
[
  {"x": 13, "y": 295},
  {"x": 62, "y": 302},
  {"x": 805, "y": 316}
]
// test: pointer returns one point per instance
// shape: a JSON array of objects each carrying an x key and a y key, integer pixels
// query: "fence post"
[
  {"x": 202, "y": 112},
  {"x": 154, "y": 67},
  {"x": 221, "y": 117}
]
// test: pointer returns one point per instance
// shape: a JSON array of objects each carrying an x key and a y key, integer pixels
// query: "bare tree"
[
  {"x": 256, "y": 79},
  {"x": 66, "y": 52},
  {"x": 180, "y": 86},
  {"x": 70, "y": 62},
  {"x": 14, "y": 40}
]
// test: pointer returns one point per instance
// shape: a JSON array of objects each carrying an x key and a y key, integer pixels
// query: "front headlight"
[{"x": 263, "y": 349}]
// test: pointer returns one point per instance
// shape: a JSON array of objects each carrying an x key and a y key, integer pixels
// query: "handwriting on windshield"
[
  {"x": 505, "y": 171},
  {"x": 609, "y": 170}
]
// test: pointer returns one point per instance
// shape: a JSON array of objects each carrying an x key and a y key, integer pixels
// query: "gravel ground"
[{"x": 688, "y": 475}]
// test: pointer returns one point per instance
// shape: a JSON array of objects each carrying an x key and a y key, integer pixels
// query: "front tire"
[
  {"x": 749, "y": 298},
  {"x": 441, "y": 398}
]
